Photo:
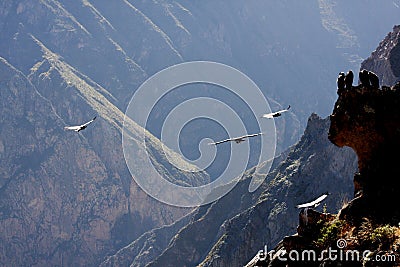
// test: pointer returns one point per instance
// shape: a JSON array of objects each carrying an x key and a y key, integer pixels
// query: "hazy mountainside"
[
  {"x": 68, "y": 198},
  {"x": 194, "y": 233},
  {"x": 230, "y": 231},
  {"x": 148, "y": 246},
  {"x": 121, "y": 44}
]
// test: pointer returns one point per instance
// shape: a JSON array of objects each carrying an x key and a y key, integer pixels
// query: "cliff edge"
[
  {"x": 366, "y": 230},
  {"x": 368, "y": 120}
]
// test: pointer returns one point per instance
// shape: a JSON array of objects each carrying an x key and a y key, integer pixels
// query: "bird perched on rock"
[
  {"x": 364, "y": 78},
  {"x": 237, "y": 140},
  {"x": 340, "y": 82},
  {"x": 348, "y": 79},
  {"x": 79, "y": 128},
  {"x": 373, "y": 79}
]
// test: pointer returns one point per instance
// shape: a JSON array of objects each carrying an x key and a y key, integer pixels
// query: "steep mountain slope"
[
  {"x": 81, "y": 58},
  {"x": 69, "y": 198},
  {"x": 148, "y": 246},
  {"x": 384, "y": 61},
  {"x": 227, "y": 232},
  {"x": 202, "y": 224},
  {"x": 312, "y": 167}
]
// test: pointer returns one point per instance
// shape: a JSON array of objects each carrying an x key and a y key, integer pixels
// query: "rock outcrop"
[
  {"x": 366, "y": 117},
  {"x": 368, "y": 120}
]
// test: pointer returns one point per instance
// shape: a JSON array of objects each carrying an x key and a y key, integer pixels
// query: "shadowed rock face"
[{"x": 368, "y": 121}]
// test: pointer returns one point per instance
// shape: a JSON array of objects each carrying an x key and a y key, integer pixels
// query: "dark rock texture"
[
  {"x": 67, "y": 198},
  {"x": 368, "y": 120}
]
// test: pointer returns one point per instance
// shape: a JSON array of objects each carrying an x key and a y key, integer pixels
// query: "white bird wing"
[
  {"x": 268, "y": 116},
  {"x": 89, "y": 122},
  {"x": 72, "y": 128},
  {"x": 272, "y": 114},
  {"x": 251, "y": 135},
  {"x": 78, "y": 127},
  {"x": 319, "y": 199},
  {"x": 235, "y": 139},
  {"x": 305, "y": 205},
  {"x": 220, "y": 142},
  {"x": 313, "y": 203}
]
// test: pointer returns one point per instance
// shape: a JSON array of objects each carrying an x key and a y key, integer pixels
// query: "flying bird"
[
  {"x": 236, "y": 139},
  {"x": 275, "y": 114},
  {"x": 314, "y": 203},
  {"x": 79, "y": 127}
]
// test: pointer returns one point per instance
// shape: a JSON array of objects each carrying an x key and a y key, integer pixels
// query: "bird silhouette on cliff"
[
  {"x": 79, "y": 128},
  {"x": 348, "y": 79},
  {"x": 373, "y": 79},
  {"x": 340, "y": 82},
  {"x": 363, "y": 76}
]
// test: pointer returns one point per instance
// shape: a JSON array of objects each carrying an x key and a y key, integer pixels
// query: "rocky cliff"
[
  {"x": 366, "y": 118},
  {"x": 68, "y": 198}
]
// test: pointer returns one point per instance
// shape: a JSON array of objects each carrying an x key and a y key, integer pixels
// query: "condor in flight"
[
  {"x": 314, "y": 203},
  {"x": 236, "y": 139},
  {"x": 275, "y": 114},
  {"x": 79, "y": 127}
]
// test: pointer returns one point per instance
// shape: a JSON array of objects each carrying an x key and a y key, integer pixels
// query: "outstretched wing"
[
  {"x": 89, "y": 122},
  {"x": 317, "y": 201},
  {"x": 72, "y": 128},
  {"x": 251, "y": 135},
  {"x": 313, "y": 203},
  {"x": 305, "y": 205},
  {"x": 236, "y": 139},
  {"x": 220, "y": 142}
]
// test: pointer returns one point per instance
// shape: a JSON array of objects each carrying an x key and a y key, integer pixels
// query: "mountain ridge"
[
  {"x": 258, "y": 213},
  {"x": 96, "y": 189}
]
